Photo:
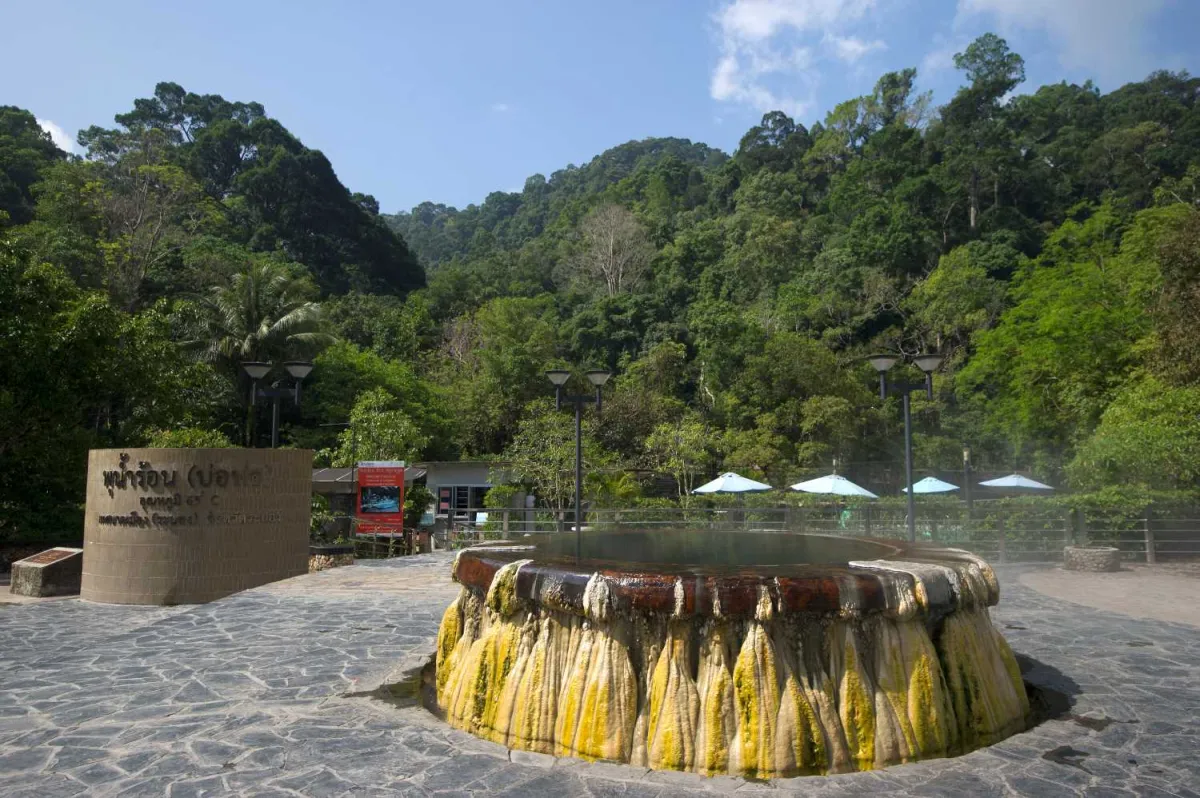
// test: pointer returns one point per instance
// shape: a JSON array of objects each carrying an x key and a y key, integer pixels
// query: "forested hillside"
[{"x": 1048, "y": 243}]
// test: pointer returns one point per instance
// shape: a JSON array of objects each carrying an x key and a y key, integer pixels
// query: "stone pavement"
[
  {"x": 251, "y": 695},
  {"x": 1141, "y": 591}
]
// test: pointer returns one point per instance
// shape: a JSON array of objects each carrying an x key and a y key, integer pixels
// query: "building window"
[{"x": 457, "y": 500}]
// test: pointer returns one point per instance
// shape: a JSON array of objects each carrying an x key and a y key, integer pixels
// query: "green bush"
[
  {"x": 189, "y": 438},
  {"x": 417, "y": 499}
]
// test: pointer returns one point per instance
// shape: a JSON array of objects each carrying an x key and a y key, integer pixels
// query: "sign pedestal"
[{"x": 54, "y": 572}]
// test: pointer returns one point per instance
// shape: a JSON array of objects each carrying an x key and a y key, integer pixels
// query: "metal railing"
[
  {"x": 1008, "y": 535},
  {"x": 1000, "y": 535}
]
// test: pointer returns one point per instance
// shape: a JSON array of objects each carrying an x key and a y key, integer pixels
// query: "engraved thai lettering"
[
  {"x": 131, "y": 519},
  {"x": 144, "y": 478},
  {"x": 174, "y": 500},
  {"x": 197, "y": 477},
  {"x": 173, "y": 520}
]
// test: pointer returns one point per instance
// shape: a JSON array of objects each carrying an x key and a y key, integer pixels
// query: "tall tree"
[
  {"x": 615, "y": 250},
  {"x": 276, "y": 193},
  {"x": 25, "y": 151},
  {"x": 978, "y": 141}
]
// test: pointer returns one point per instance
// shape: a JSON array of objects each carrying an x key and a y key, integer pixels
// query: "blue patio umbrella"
[
  {"x": 1015, "y": 481},
  {"x": 931, "y": 485},
  {"x": 730, "y": 482},
  {"x": 834, "y": 485}
]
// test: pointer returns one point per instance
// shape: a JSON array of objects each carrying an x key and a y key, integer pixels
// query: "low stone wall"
[{"x": 1098, "y": 559}]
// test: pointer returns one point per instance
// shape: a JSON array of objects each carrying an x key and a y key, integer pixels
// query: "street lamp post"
[
  {"x": 559, "y": 377},
  {"x": 927, "y": 363},
  {"x": 258, "y": 370}
]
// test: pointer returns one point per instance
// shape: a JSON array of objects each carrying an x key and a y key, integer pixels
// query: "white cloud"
[
  {"x": 941, "y": 57},
  {"x": 1101, "y": 36},
  {"x": 500, "y": 108},
  {"x": 58, "y": 135},
  {"x": 851, "y": 48},
  {"x": 769, "y": 49}
]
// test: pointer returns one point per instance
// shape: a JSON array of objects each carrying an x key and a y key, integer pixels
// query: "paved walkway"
[
  {"x": 249, "y": 696},
  {"x": 1141, "y": 591}
]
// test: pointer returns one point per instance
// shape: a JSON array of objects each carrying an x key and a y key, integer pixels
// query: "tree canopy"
[{"x": 1045, "y": 242}]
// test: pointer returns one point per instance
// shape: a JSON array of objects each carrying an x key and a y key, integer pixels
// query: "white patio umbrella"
[
  {"x": 730, "y": 482},
  {"x": 1015, "y": 481},
  {"x": 833, "y": 484},
  {"x": 931, "y": 485}
]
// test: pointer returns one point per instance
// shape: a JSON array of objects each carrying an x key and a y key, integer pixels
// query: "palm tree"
[{"x": 262, "y": 313}]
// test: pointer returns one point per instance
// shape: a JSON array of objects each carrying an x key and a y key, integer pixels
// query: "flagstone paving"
[{"x": 254, "y": 695}]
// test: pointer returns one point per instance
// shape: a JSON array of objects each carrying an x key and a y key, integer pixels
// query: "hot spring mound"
[{"x": 756, "y": 654}]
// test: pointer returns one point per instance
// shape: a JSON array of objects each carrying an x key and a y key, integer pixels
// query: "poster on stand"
[{"x": 380, "y": 508}]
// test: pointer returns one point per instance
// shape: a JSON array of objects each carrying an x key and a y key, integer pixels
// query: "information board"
[{"x": 380, "y": 507}]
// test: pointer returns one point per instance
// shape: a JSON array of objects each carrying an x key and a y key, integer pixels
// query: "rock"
[
  {"x": 323, "y": 556},
  {"x": 320, "y": 562},
  {"x": 1097, "y": 559},
  {"x": 54, "y": 572}
]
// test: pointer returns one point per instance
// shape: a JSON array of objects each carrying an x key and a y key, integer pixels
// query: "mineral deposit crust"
[{"x": 764, "y": 676}]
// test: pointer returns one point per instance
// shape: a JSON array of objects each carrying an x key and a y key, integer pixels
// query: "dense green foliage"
[{"x": 1046, "y": 243}]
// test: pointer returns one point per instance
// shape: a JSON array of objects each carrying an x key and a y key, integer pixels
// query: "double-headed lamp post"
[
  {"x": 559, "y": 377},
  {"x": 258, "y": 370},
  {"x": 928, "y": 364}
]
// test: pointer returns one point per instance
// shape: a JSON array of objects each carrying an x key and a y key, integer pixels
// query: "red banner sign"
[{"x": 380, "y": 497}]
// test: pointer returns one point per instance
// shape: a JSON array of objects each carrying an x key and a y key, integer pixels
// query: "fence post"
[
  {"x": 1081, "y": 532},
  {"x": 1069, "y": 529},
  {"x": 504, "y": 523},
  {"x": 1148, "y": 530},
  {"x": 1003, "y": 545},
  {"x": 933, "y": 531},
  {"x": 868, "y": 520}
]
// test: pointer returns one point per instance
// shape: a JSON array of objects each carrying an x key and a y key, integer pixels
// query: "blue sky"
[{"x": 448, "y": 101}]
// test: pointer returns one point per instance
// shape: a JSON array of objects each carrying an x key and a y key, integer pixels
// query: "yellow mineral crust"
[
  {"x": 718, "y": 720},
  {"x": 674, "y": 705},
  {"x": 599, "y": 700},
  {"x": 448, "y": 634},
  {"x": 989, "y": 700},
  {"x": 778, "y": 694},
  {"x": 856, "y": 695},
  {"x": 756, "y": 699},
  {"x": 800, "y": 745}
]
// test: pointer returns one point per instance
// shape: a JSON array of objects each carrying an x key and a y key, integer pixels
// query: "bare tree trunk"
[
  {"x": 615, "y": 250},
  {"x": 974, "y": 197}
]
